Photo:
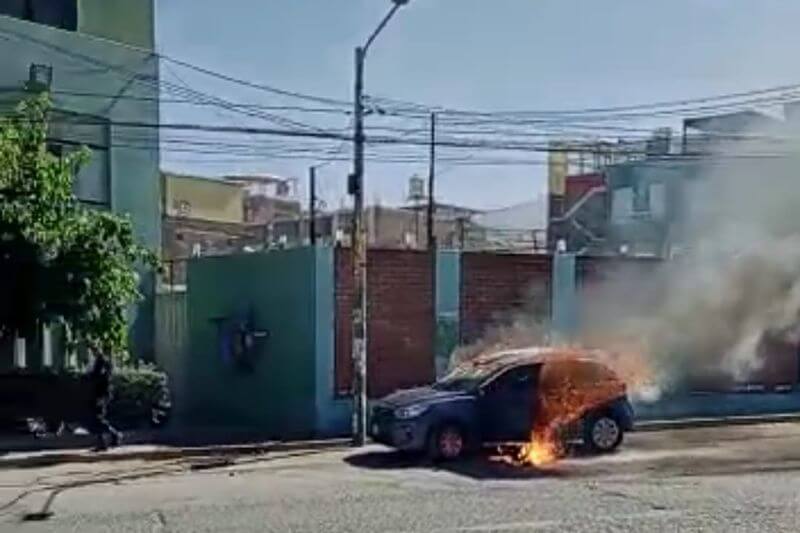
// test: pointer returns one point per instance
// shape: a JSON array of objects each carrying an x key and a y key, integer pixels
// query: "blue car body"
[{"x": 408, "y": 419}]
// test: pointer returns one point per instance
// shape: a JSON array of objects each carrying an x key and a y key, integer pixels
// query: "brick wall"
[
  {"x": 400, "y": 328},
  {"x": 494, "y": 287}
]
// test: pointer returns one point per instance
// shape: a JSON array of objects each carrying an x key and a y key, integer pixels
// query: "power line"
[
  {"x": 447, "y": 142},
  {"x": 400, "y": 104},
  {"x": 197, "y": 68},
  {"x": 777, "y": 94},
  {"x": 503, "y": 115},
  {"x": 155, "y": 99},
  {"x": 152, "y": 81},
  {"x": 204, "y": 99}
]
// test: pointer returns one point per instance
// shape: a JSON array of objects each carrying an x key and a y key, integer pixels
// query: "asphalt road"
[{"x": 733, "y": 479}]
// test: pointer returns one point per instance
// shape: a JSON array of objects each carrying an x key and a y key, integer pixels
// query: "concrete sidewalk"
[
  {"x": 674, "y": 412},
  {"x": 160, "y": 452},
  {"x": 719, "y": 421},
  {"x": 155, "y": 452},
  {"x": 700, "y": 405}
]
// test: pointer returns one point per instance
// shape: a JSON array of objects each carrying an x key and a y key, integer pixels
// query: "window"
[
  {"x": 621, "y": 204},
  {"x": 56, "y": 13},
  {"x": 658, "y": 200},
  {"x": 68, "y": 133},
  {"x": 518, "y": 379},
  {"x": 641, "y": 197}
]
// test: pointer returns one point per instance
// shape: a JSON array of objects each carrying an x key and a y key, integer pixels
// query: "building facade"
[
  {"x": 387, "y": 228},
  {"x": 652, "y": 199},
  {"x": 217, "y": 216},
  {"x": 97, "y": 60}
]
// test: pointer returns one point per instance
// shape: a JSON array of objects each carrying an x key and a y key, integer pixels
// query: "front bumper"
[
  {"x": 407, "y": 435},
  {"x": 623, "y": 410}
]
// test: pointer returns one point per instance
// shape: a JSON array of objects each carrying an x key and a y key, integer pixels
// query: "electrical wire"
[
  {"x": 206, "y": 71},
  {"x": 395, "y": 104},
  {"x": 493, "y": 138},
  {"x": 153, "y": 82}
]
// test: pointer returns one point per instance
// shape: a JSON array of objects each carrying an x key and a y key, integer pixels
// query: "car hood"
[{"x": 419, "y": 395}]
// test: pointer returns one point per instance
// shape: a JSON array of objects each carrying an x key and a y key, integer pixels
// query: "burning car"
[{"x": 534, "y": 397}]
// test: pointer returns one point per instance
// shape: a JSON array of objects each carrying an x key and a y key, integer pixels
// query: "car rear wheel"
[
  {"x": 448, "y": 443},
  {"x": 602, "y": 433}
]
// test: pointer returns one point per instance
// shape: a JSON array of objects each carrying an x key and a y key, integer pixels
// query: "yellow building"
[{"x": 203, "y": 199}]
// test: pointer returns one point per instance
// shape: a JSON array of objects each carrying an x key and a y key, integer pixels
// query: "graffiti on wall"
[{"x": 241, "y": 341}]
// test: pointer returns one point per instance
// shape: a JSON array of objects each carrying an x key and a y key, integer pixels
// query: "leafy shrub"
[{"x": 140, "y": 396}]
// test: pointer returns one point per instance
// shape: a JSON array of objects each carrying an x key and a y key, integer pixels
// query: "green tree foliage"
[{"x": 60, "y": 261}]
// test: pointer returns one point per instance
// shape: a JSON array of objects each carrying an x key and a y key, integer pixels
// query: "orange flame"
[
  {"x": 573, "y": 382},
  {"x": 539, "y": 452},
  {"x": 569, "y": 388}
]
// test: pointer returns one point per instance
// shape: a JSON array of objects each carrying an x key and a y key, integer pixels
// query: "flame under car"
[{"x": 508, "y": 397}]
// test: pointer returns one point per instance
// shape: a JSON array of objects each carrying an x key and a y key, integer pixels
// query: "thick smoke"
[
  {"x": 527, "y": 326},
  {"x": 734, "y": 292},
  {"x": 730, "y": 296}
]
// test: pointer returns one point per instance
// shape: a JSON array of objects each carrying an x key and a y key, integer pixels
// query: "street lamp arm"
[{"x": 382, "y": 25}]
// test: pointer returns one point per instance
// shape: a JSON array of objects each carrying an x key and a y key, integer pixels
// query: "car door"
[{"x": 507, "y": 404}]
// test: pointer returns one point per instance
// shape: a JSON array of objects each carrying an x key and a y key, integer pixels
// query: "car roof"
[{"x": 533, "y": 355}]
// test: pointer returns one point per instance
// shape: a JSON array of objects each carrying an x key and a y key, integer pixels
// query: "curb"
[
  {"x": 708, "y": 422},
  {"x": 164, "y": 454}
]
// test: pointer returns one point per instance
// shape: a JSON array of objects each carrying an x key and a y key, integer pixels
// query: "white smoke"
[
  {"x": 736, "y": 290},
  {"x": 732, "y": 295}
]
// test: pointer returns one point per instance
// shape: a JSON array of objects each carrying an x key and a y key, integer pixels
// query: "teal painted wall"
[
  {"x": 83, "y": 63},
  {"x": 172, "y": 348},
  {"x": 564, "y": 299},
  {"x": 278, "y": 399},
  {"x": 333, "y": 412},
  {"x": 448, "y": 294}
]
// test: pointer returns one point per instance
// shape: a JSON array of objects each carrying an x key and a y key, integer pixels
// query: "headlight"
[{"x": 412, "y": 411}]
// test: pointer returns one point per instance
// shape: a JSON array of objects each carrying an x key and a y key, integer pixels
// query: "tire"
[
  {"x": 447, "y": 442},
  {"x": 602, "y": 433}
]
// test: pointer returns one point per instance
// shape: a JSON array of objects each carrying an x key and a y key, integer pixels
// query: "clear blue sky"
[{"x": 482, "y": 54}]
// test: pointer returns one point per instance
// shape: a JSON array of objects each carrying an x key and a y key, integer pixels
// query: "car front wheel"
[
  {"x": 602, "y": 433},
  {"x": 448, "y": 443}
]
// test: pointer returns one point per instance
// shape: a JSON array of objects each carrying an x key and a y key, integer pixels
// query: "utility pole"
[
  {"x": 432, "y": 240},
  {"x": 359, "y": 254},
  {"x": 431, "y": 179},
  {"x": 359, "y": 240},
  {"x": 312, "y": 205}
]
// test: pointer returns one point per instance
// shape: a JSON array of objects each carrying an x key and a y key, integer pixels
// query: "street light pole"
[
  {"x": 359, "y": 241},
  {"x": 431, "y": 241},
  {"x": 359, "y": 255}
]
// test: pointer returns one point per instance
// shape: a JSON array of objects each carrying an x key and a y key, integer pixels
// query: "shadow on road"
[
  {"x": 656, "y": 455},
  {"x": 479, "y": 466}
]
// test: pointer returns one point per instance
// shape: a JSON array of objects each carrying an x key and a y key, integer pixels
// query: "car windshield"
[{"x": 463, "y": 378}]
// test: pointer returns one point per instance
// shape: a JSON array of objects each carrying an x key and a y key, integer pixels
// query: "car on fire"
[{"x": 502, "y": 399}]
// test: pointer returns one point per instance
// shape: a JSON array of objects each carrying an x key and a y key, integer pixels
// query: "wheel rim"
[
  {"x": 605, "y": 433},
  {"x": 450, "y": 443}
]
